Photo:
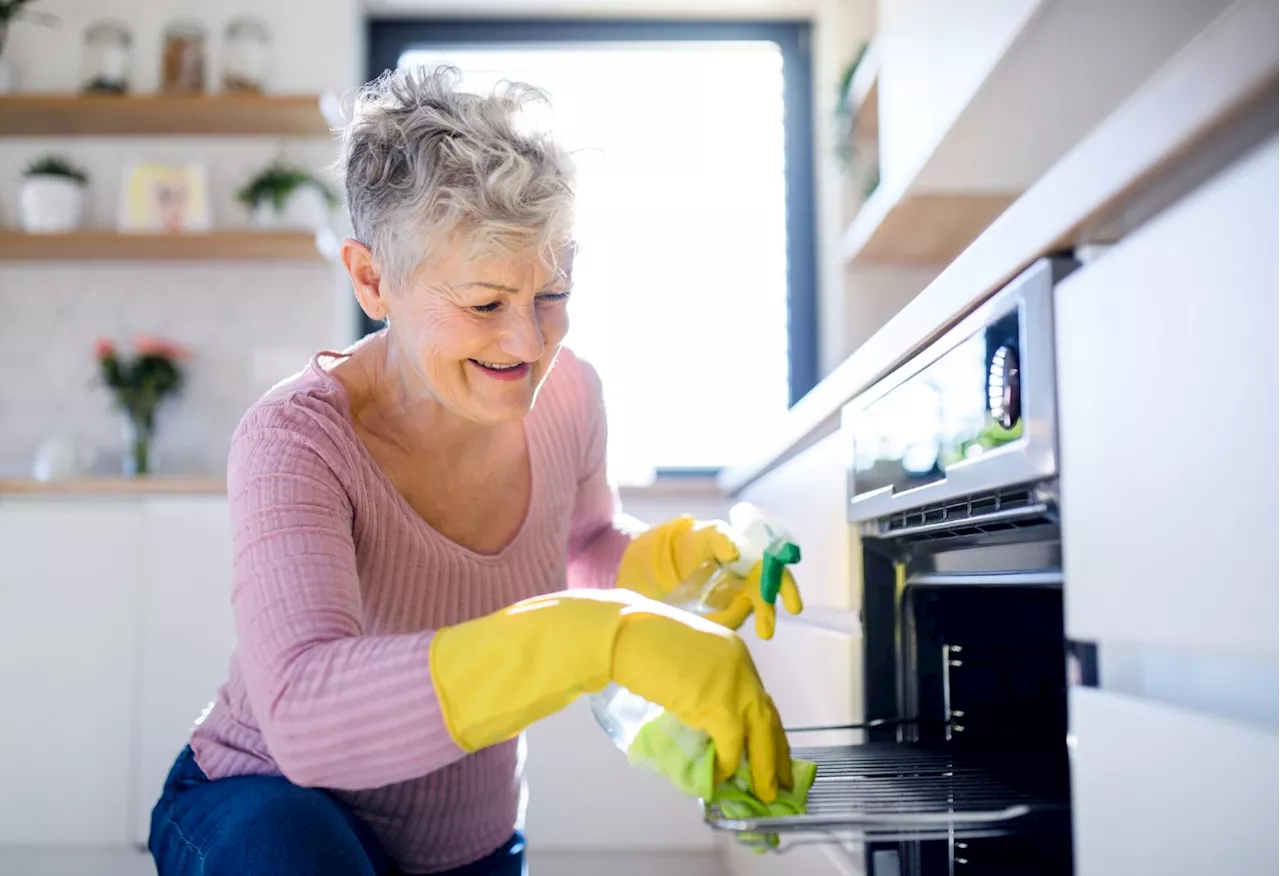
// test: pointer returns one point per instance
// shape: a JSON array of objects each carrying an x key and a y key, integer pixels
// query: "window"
[{"x": 694, "y": 278}]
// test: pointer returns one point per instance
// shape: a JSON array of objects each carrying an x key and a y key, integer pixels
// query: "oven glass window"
[{"x": 942, "y": 416}]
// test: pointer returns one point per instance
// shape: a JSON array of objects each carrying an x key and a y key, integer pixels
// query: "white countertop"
[{"x": 1197, "y": 93}]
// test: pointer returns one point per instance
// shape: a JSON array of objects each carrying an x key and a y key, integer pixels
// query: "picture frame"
[{"x": 159, "y": 197}]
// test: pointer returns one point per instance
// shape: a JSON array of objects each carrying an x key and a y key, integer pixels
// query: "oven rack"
[{"x": 891, "y": 792}]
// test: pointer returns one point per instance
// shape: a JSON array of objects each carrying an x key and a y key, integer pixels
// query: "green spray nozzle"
[{"x": 776, "y": 559}]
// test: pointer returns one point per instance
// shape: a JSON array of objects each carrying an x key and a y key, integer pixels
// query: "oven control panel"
[{"x": 971, "y": 414}]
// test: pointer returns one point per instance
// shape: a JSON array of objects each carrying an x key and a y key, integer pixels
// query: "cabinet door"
[
  {"x": 811, "y": 667},
  {"x": 1167, "y": 399},
  {"x": 805, "y": 860},
  {"x": 69, "y": 573},
  {"x": 187, "y": 633},
  {"x": 808, "y": 493},
  {"x": 1160, "y": 789}
]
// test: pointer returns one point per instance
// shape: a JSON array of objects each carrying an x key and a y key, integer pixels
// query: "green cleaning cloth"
[{"x": 687, "y": 758}]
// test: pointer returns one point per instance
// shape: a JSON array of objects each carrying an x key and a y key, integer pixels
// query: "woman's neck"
[{"x": 391, "y": 402}]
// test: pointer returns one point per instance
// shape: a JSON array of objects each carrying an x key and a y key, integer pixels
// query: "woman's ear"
[{"x": 366, "y": 279}]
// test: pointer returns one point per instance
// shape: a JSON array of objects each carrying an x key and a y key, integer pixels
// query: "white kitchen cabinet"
[
  {"x": 806, "y": 860},
  {"x": 808, "y": 494},
  {"x": 812, "y": 665},
  {"x": 1159, "y": 789},
  {"x": 69, "y": 583},
  {"x": 812, "y": 673},
  {"x": 187, "y": 633},
  {"x": 583, "y": 795},
  {"x": 934, "y": 56},
  {"x": 986, "y": 96},
  {"x": 1167, "y": 398}
]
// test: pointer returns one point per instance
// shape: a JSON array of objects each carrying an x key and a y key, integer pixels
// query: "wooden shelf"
[
  {"x": 41, "y": 115},
  {"x": 920, "y": 228},
  {"x": 231, "y": 245},
  {"x": 98, "y": 485}
]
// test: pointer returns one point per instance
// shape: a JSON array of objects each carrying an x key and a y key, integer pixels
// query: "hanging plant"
[{"x": 844, "y": 113}]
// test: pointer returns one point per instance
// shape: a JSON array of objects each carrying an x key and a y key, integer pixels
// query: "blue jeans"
[{"x": 268, "y": 826}]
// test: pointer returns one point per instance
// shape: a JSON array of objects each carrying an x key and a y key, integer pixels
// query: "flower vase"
[{"x": 138, "y": 439}]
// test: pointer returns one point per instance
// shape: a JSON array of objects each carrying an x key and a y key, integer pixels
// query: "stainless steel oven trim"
[
  {"x": 1026, "y": 512},
  {"x": 1032, "y": 458},
  {"x": 1036, "y": 578}
]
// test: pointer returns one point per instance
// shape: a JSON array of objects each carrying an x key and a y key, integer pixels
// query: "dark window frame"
[{"x": 387, "y": 39}]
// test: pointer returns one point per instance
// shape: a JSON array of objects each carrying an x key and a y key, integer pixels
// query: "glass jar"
[
  {"x": 246, "y": 55},
  {"x": 107, "y": 46},
  {"x": 182, "y": 60}
]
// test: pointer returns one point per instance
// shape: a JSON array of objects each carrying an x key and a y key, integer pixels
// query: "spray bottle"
[{"x": 709, "y": 589}]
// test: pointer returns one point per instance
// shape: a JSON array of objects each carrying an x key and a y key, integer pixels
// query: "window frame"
[{"x": 388, "y": 38}]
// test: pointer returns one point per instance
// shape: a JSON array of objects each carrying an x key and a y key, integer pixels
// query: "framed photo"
[{"x": 165, "y": 198}]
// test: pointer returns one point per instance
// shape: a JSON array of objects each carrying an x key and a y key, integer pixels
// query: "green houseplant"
[
  {"x": 140, "y": 384},
  {"x": 52, "y": 197},
  {"x": 287, "y": 196}
]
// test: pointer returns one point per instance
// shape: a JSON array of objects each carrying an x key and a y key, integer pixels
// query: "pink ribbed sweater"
[{"x": 338, "y": 585}]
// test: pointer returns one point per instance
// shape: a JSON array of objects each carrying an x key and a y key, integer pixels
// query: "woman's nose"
[{"x": 522, "y": 337}]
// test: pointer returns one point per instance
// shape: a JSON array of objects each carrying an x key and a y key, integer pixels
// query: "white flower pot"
[
  {"x": 51, "y": 204},
  {"x": 304, "y": 209}
]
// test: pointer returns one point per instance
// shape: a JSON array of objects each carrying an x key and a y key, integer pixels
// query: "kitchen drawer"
[
  {"x": 1162, "y": 790},
  {"x": 807, "y": 493},
  {"x": 1167, "y": 398}
]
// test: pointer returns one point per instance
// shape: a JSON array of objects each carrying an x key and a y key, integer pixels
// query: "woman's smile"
[{"x": 498, "y": 371}]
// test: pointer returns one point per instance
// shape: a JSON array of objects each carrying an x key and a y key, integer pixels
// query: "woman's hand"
[
  {"x": 662, "y": 557},
  {"x": 703, "y": 674},
  {"x": 496, "y": 675}
]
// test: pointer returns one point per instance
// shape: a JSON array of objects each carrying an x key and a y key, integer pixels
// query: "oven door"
[{"x": 964, "y": 769}]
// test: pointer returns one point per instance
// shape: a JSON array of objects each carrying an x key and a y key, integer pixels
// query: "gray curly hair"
[{"x": 422, "y": 160}]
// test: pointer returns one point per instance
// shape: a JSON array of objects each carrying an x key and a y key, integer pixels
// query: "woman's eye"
[
  {"x": 551, "y": 297},
  {"x": 487, "y": 308}
]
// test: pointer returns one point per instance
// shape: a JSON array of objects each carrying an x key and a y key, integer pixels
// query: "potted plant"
[
  {"x": 10, "y": 11},
  {"x": 286, "y": 196},
  {"x": 52, "y": 195},
  {"x": 140, "y": 384}
]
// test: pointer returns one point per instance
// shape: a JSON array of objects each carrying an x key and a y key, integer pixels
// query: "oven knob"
[{"x": 1004, "y": 387}]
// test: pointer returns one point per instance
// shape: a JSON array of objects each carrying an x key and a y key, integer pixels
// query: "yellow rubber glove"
[
  {"x": 496, "y": 675},
  {"x": 660, "y": 558},
  {"x": 749, "y": 600}
]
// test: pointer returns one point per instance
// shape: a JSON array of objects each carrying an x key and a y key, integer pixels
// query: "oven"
[{"x": 961, "y": 766}]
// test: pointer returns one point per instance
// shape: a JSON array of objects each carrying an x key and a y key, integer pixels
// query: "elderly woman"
[{"x": 426, "y": 554}]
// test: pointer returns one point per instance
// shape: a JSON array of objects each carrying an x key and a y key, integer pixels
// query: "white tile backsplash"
[{"x": 248, "y": 325}]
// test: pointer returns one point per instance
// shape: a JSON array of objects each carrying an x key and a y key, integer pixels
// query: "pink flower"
[
  {"x": 147, "y": 345},
  {"x": 152, "y": 346},
  {"x": 103, "y": 349}
]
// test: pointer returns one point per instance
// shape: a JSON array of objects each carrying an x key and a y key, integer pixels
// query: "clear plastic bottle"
[{"x": 709, "y": 589}]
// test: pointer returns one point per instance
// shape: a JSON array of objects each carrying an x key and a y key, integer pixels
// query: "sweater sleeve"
[
  {"x": 599, "y": 532},
  {"x": 336, "y": 707}
]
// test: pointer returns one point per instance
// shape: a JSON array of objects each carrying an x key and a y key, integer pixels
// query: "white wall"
[
  {"x": 249, "y": 324},
  {"x": 841, "y": 27}
]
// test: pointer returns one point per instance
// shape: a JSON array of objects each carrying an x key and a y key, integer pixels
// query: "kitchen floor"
[{"x": 109, "y": 862}]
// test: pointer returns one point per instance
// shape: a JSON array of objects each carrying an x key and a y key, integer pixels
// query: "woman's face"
[{"x": 482, "y": 334}]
